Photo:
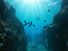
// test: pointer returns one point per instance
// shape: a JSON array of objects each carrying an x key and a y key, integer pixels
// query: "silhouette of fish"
[
  {"x": 44, "y": 20},
  {"x": 29, "y": 24},
  {"x": 33, "y": 25},
  {"x": 38, "y": 18},
  {"x": 25, "y": 23},
  {"x": 49, "y": 10},
  {"x": 44, "y": 26}
]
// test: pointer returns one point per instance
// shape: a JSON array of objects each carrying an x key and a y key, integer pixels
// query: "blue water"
[{"x": 40, "y": 14}]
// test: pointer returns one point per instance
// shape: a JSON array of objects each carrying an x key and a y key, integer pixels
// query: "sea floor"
[{"x": 33, "y": 47}]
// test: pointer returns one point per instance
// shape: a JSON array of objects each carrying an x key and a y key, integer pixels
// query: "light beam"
[{"x": 31, "y": 2}]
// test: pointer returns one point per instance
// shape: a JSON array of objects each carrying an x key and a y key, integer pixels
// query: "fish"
[
  {"x": 44, "y": 20},
  {"x": 29, "y": 24},
  {"x": 25, "y": 23},
  {"x": 49, "y": 10},
  {"x": 44, "y": 26},
  {"x": 38, "y": 18}
]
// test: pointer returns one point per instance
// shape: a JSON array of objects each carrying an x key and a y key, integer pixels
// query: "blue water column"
[{"x": 35, "y": 14}]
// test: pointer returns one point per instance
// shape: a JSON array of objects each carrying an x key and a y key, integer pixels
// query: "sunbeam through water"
[{"x": 35, "y": 14}]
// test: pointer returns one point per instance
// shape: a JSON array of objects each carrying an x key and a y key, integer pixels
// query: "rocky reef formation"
[
  {"x": 12, "y": 35},
  {"x": 57, "y": 33},
  {"x": 64, "y": 3}
]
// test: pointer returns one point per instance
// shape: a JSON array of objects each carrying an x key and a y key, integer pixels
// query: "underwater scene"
[{"x": 33, "y": 25}]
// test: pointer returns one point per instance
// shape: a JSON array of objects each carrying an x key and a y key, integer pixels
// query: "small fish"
[
  {"x": 49, "y": 10},
  {"x": 25, "y": 23},
  {"x": 44, "y": 26},
  {"x": 30, "y": 23},
  {"x": 33, "y": 25},
  {"x": 38, "y": 18},
  {"x": 44, "y": 20}
]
